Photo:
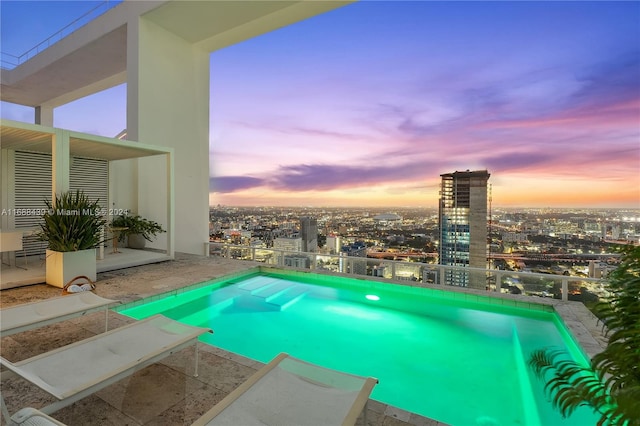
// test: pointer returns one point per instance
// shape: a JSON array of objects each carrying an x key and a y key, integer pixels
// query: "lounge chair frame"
[
  {"x": 28, "y": 316},
  {"x": 358, "y": 406},
  {"x": 31, "y": 416},
  {"x": 93, "y": 384}
]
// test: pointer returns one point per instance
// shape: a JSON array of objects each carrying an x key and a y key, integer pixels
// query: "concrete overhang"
[
  {"x": 21, "y": 136},
  {"x": 94, "y": 57}
]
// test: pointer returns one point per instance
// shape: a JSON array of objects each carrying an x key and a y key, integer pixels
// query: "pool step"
[
  {"x": 256, "y": 294},
  {"x": 272, "y": 290},
  {"x": 288, "y": 296},
  {"x": 249, "y": 304},
  {"x": 256, "y": 283}
]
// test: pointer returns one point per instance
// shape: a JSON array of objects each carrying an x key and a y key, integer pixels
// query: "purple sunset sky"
[{"x": 370, "y": 103}]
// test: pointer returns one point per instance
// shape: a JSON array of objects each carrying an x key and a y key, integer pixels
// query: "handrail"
[
  {"x": 9, "y": 61},
  {"x": 492, "y": 280}
]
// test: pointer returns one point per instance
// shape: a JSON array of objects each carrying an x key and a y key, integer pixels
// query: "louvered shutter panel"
[
  {"x": 92, "y": 177},
  {"x": 33, "y": 186}
]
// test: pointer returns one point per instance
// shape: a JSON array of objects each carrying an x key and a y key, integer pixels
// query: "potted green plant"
[
  {"x": 136, "y": 229},
  {"x": 72, "y": 227}
]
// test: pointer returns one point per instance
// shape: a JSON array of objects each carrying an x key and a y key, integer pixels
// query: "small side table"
[{"x": 116, "y": 234}]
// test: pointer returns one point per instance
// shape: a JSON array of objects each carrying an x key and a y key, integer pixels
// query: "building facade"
[
  {"x": 463, "y": 226},
  {"x": 333, "y": 244},
  {"x": 309, "y": 234},
  {"x": 288, "y": 244}
]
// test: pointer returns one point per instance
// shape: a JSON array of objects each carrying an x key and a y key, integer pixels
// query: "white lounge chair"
[
  {"x": 289, "y": 391},
  {"x": 27, "y": 316},
  {"x": 103, "y": 359}
]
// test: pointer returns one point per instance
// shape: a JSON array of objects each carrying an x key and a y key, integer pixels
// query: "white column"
[
  {"x": 171, "y": 222},
  {"x": 7, "y": 187},
  {"x": 44, "y": 115},
  {"x": 168, "y": 105},
  {"x": 60, "y": 162}
]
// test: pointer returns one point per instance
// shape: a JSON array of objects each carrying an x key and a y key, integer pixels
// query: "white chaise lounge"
[
  {"x": 75, "y": 371},
  {"x": 28, "y": 316},
  {"x": 289, "y": 391}
]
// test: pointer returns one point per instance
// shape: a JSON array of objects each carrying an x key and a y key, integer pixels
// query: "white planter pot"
[
  {"x": 136, "y": 241},
  {"x": 62, "y": 267}
]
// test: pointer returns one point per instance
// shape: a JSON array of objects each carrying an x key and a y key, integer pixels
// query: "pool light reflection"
[{"x": 372, "y": 297}]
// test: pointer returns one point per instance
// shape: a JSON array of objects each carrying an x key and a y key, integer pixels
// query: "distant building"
[
  {"x": 387, "y": 219},
  {"x": 288, "y": 244},
  {"x": 592, "y": 228},
  {"x": 463, "y": 224},
  {"x": 357, "y": 249},
  {"x": 237, "y": 236},
  {"x": 309, "y": 234},
  {"x": 354, "y": 266},
  {"x": 597, "y": 269},
  {"x": 297, "y": 261},
  {"x": 334, "y": 242},
  {"x": 514, "y": 237},
  {"x": 378, "y": 271},
  {"x": 615, "y": 232}
]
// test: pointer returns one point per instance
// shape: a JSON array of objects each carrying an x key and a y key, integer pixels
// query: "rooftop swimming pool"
[{"x": 451, "y": 356}]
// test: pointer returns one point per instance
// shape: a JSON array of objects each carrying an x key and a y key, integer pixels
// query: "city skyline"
[{"x": 369, "y": 104}]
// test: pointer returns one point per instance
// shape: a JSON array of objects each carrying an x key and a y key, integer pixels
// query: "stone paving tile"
[
  {"x": 417, "y": 420},
  {"x": 373, "y": 418},
  {"x": 147, "y": 393},
  {"x": 18, "y": 393},
  {"x": 392, "y": 421},
  {"x": 32, "y": 293},
  {"x": 93, "y": 411},
  {"x": 30, "y": 343},
  {"x": 239, "y": 359},
  {"x": 213, "y": 370},
  {"x": 198, "y": 399},
  {"x": 376, "y": 406},
  {"x": 397, "y": 413}
]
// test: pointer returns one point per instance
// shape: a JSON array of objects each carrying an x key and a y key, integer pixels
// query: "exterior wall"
[
  {"x": 168, "y": 105},
  {"x": 123, "y": 190}
]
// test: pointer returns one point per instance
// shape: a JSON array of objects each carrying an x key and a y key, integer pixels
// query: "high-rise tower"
[
  {"x": 309, "y": 234},
  {"x": 463, "y": 225}
]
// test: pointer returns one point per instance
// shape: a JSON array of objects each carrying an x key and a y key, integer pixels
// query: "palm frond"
[{"x": 72, "y": 223}]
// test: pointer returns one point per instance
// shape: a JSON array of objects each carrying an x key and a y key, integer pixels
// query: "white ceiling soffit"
[
  {"x": 94, "y": 57},
  {"x": 212, "y": 25}
]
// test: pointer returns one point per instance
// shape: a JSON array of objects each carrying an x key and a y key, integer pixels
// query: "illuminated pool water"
[{"x": 457, "y": 358}]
